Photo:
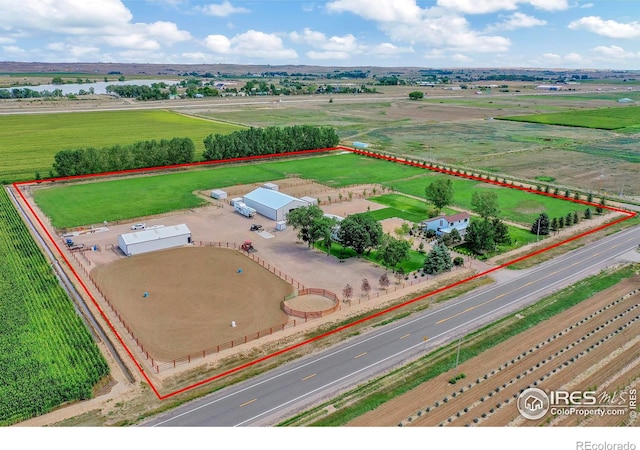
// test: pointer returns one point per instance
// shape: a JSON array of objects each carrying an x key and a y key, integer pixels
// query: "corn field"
[{"x": 47, "y": 355}]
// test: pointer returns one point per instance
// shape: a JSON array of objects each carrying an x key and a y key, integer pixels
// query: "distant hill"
[{"x": 238, "y": 70}]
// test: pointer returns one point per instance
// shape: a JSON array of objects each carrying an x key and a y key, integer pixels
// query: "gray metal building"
[
  {"x": 154, "y": 239},
  {"x": 272, "y": 204}
]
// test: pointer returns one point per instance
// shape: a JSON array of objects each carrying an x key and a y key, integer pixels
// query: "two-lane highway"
[{"x": 274, "y": 395}]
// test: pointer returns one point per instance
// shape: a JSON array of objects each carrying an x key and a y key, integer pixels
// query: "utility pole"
[{"x": 457, "y": 357}]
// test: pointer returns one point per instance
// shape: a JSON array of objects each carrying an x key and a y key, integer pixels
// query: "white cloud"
[
  {"x": 554, "y": 60},
  {"x": 615, "y": 52},
  {"x": 459, "y": 58},
  {"x": 223, "y": 9},
  {"x": 75, "y": 17},
  {"x": 516, "y": 21},
  {"x": 250, "y": 44},
  {"x": 167, "y": 32},
  {"x": 490, "y": 6},
  {"x": 608, "y": 28},
  {"x": 341, "y": 47},
  {"x": 388, "y": 49},
  {"x": 327, "y": 55},
  {"x": 379, "y": 10}
]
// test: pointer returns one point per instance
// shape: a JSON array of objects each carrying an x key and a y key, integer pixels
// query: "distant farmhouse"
[
  {"x": 544, "y": 87},
  {"x": 446, "y": 224}
]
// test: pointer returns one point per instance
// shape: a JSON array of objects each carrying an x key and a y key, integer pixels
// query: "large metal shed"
[
  {"x": 272, "y": 204},
  {"x": 154, "y": 239}
]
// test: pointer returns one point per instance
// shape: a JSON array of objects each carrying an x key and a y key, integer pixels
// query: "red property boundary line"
[{"x": 52, "y": 241}]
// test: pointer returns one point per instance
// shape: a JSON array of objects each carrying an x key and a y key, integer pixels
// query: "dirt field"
[
  {"x": 593, "y": 345},
  {"x": 194, "y": 293}
]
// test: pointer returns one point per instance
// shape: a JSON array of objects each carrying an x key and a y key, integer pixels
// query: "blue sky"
[{"x": 570, "y": 34}]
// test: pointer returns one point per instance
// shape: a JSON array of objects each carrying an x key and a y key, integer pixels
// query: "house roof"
[
  {"x": 269, "y": 198},
  {"x": 155, "y": 234},
  {"x": 451, "y": 218}
]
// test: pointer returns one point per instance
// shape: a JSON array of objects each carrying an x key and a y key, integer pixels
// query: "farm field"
[
  {"x": 30, "y": 142},
  {"x": 565, "y": 353},
  {"x": 460, "y": 130},
  {"x": 568, "y": 333},
  {"x": 96, "y": 202},
  {"x": 47, "y": 355},
  {"x": 622, "y": 119}
]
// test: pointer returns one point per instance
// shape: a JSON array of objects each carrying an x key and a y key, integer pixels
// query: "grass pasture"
[
  {"x": 100, "y": 201},
  {"x": 618, "y": 118},
  {"x": 30, "y": 141}
]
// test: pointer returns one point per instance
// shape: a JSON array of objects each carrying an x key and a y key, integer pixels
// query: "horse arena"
[{"x": 194, "y": 295}]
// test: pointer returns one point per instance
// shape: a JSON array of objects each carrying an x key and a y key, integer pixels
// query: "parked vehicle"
[{"x": 138, "y": 226}]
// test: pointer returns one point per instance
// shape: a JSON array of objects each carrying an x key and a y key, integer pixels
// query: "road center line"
[
  {"x": 361, "y": 354},
  {"x": 310, "y": 376},
  {"x": 249, "y": 402}
]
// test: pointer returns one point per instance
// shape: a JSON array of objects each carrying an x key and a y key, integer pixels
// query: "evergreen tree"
[
  {"x": 501, "y": 232},
  {"x": 541, "y": 225},
  {"x": 587, "y": 213},
  {"x": 561, "y": 222},
  {"x": 554, "y": 224},
  {"x": 568, "y": 220},
  {"x": 576, "y": 217},
  {"x": 438, "y": 260}
]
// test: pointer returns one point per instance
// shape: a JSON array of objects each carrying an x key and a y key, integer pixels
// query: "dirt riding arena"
[
  {"x": 194, "y": 294},
  {"x": 594, "y": 345}
]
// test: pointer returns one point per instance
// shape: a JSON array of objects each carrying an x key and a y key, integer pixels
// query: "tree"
[
  {"x": 455, "y": 237},
  {"x": 541, "y": 225},
  {"x": 322, "y": 228},
  {"x": 568, "y": 220},
  {"x": 347, "y": 292},
  {"x": 416, "y": 95},
  {"x": 393, "y": 251},
  {"x": 360, "y": 232},
  {"x": 438, "y": 260},
  {"x": 554, "y": 224},
  {"x": 485, "y": 203},
  {"x": 576, "y": 217},
  {"x": 365, "y": 287},
  {"x": 587, "y": 213},
  {"x": 440, "y": 192},
  {"x": 500, "y": 232},
  {"x": 302, "y": 219},
  {"x": 384, "y": 281},
  {"x": 480, "y": 236}
]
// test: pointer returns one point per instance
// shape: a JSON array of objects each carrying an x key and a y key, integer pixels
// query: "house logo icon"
[{"x": 533, "y": 403}]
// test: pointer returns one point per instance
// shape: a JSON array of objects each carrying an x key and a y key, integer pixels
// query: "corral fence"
[
  {"x": 158, "y": 366},
  {"x": 313, "y": 314}
]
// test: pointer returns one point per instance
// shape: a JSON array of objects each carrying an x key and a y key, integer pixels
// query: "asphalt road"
[{"x": 277, "y": 394}]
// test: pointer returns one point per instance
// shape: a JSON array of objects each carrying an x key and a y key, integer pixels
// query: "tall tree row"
[
  {"x": 141, "y": 154},
  {"x": 270, "y": 140}
]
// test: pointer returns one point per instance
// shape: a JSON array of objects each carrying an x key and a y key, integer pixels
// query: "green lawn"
[
  {"x": 30, "y": 141},
  {"x": 515, "y": 205},
  {"x": 92, "y": 203}
]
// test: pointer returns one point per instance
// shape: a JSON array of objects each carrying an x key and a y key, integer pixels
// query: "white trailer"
[
  {"x": 245, "y": 210},
  {"x": 218, "y": 194}
]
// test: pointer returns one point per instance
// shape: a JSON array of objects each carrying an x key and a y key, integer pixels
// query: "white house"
[
  {"x": 272, "y": 204},
  {"x": 445, "y": 224},
  {"x": 154, "y": 239}
]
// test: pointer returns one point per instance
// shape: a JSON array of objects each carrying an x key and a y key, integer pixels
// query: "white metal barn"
[
  {"x": 272, "y": 204},
  {"x": 154, "y": 239}
]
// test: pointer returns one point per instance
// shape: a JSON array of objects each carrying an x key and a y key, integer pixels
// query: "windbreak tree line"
[
  {"x": 270, "y": 140},
  {"x": 138, "y": 155},
  {"x": 156, "y": 91}
]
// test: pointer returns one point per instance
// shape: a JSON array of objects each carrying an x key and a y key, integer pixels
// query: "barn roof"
[
  {"x": 269, "y": 198},
  {"x": 155, "y": 234}
]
